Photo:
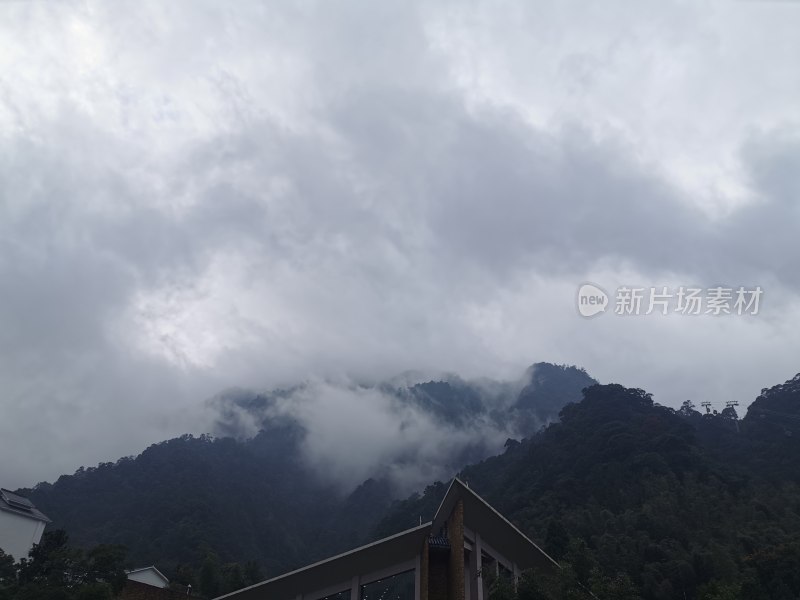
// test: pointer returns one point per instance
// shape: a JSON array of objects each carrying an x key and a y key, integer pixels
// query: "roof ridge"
[{"x": 465, "y": 486}]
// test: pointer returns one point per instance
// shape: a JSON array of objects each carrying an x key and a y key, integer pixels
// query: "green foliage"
[
  {"x": 210, "y": 577},
  {"x": 103, "y": 563},
  {"x": 54, "y": 570},
  {"x": 500, "y": 588},
  {"x": 8, "y": 576},
  {"x": 181, "y": 499},
  {"x": 557, "y": 539},
  {"x": 215, "y": 578},
  {"x": 717, "y": 590},
  {"x": 252, "y": 573},
  {"x": 618, "y": 586}
]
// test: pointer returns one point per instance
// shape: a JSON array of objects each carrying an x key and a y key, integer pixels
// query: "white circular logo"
[{"x": 592, "y": 300}]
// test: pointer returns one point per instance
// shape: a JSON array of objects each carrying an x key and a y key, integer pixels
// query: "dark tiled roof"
[
  {"x": 11, "y": 502},
  {"x": 438, "y": 541}
]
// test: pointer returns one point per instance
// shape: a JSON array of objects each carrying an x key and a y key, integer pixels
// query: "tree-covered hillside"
[
  {"x": 191, "y": 498},
  {"x": 202, "y": 505},
  {"x": 684, "y": 505}
]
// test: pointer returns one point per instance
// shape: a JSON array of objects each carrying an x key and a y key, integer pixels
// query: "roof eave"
[{"x": 456, "y": 491}]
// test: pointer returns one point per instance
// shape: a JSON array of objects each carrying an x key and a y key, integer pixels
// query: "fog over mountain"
[{"x": 409, "y": 430}]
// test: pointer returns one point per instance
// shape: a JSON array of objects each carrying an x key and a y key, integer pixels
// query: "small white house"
[
  {"x": 148, "y": 576},
  {"x": 21, "y": 524}
]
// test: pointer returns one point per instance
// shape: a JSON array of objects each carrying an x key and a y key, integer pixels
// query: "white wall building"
[
  {"x": 149, "y": 576},
  {"x": 21, "y": 524}
]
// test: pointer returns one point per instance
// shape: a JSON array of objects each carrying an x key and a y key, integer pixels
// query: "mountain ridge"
[
  {"x": 648, "y": 501},
  {"x": 190, "y": 498}
]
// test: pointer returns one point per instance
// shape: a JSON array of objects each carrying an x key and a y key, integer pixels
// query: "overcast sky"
[{"x": 202, "y": 194}]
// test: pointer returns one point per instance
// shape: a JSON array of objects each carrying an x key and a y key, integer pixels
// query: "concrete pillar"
[
  {"x": 478, "y": 554},
  {"x": 455, "y": 576},
  {"x": 417, "y": 574},
  {"x": 423, "y": 570}
]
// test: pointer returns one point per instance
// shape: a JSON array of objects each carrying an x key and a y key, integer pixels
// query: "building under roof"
[
  {"x": 450, "y": 558},
  {"x": 21, "y": 524}
]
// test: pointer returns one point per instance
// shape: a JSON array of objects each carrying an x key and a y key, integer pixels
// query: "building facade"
[
  {"x": 453, "y": 557},
  {"x": 21, "y": 524}
]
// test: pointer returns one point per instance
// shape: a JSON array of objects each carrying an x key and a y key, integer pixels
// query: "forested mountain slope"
[
  {"x": 195, "y": 503},
  {"x": 685, "y": 505}
]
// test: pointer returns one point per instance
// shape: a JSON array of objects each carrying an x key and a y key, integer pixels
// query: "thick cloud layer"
[{"x": 198, "y": 195}]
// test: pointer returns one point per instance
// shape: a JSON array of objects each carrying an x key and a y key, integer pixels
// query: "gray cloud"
[{"x": 198, "y": 196}]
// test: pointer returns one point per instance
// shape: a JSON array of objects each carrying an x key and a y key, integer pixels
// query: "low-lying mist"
[{"x": 408, "y": 431}]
